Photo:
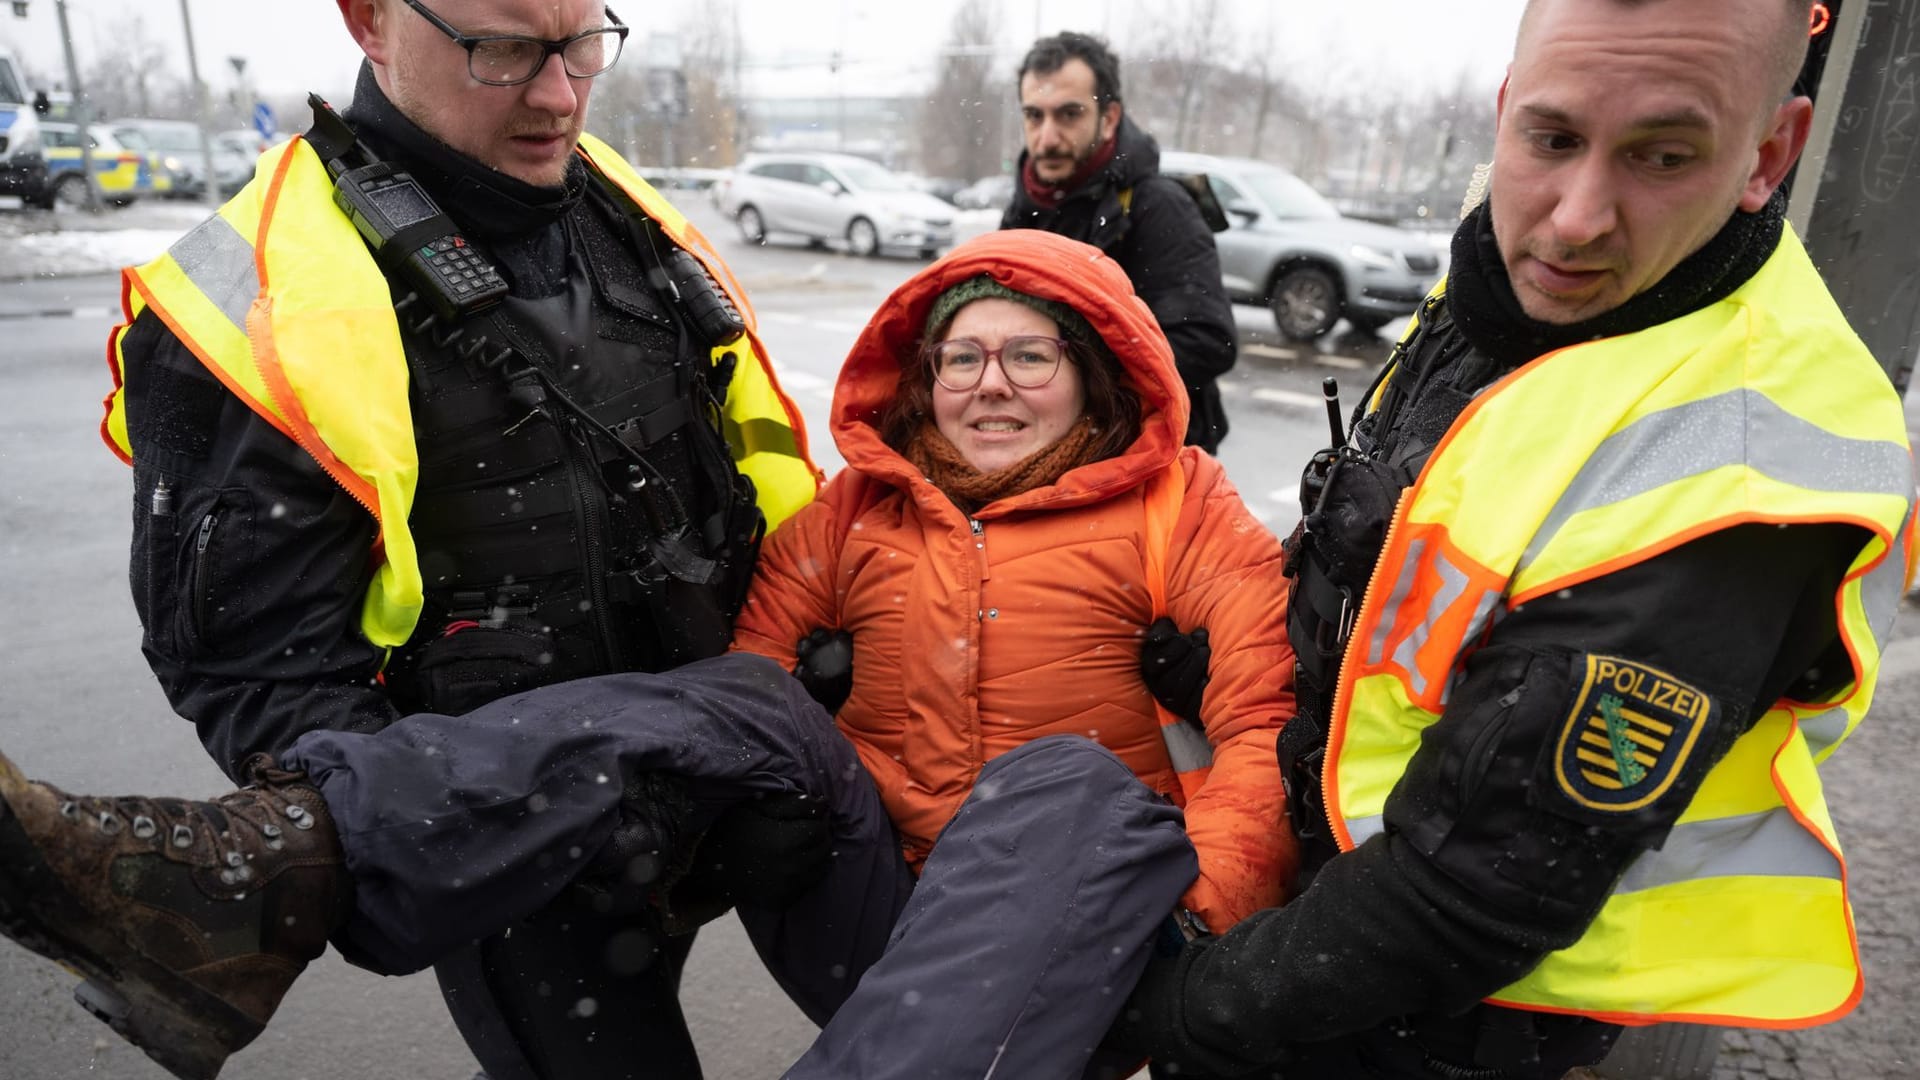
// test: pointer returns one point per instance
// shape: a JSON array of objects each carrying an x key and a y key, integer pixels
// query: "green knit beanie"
[{"x": 1073, "y": 326}]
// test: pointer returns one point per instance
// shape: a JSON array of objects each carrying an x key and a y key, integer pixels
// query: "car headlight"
[{"x": 1373, "y": 256}]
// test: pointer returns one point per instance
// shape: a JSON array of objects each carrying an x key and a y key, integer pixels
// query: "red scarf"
[{"x": 1050, "y": 196}]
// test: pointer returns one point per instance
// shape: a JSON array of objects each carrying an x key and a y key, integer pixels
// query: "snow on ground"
[{"x": 37, "y": 243}]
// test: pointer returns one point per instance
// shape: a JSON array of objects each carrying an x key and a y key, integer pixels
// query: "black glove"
[
  {"x": 1152, "y": 1024},
  {"x": 1175, "y": 667},
  {"x": 825, "y": 666},
  {"x": 763, "y": 852}
]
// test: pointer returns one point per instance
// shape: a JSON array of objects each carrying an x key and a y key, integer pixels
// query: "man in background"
[{"x": 1089, "y": 174}]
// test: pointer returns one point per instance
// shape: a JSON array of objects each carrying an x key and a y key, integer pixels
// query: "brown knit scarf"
[{"x": 970, "y": 489}]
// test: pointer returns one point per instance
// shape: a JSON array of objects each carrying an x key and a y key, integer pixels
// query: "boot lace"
[{"x": 225, "y": 829}]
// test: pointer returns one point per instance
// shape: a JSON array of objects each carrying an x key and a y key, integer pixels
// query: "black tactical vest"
[
  {"x": 582, "y": 522},
  {"x": 1348, "y": 498}
]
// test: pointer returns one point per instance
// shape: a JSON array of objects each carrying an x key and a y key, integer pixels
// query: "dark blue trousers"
[{"x": 1029, "y": 924}]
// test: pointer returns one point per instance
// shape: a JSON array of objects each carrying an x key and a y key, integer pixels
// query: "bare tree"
[
  {"x": 711, "y": 53},
  {"x": 674, "y": 99},
  {"x": 132, "y": 76},
  {"x": 1174, "y": 81},
  {"x": 964, "y": 121}
]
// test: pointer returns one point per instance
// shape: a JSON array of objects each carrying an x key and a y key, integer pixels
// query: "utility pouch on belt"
[
  {"x": 472, "y": 664},
  {"x": 693, "y": 613}
]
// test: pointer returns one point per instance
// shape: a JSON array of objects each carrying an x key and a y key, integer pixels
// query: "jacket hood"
[{"x": 1039, "y": 264}]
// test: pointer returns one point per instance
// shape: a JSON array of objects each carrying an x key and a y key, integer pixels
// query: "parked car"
[
  {"x": 23, "y": 166},
  {"x": 824, "y": 197},
  {"x": 943, "y": 188},
  {"x": 244, "y": 142},
  {"x": 680, "y": 177},
  {"x": 122, "y": 175},
  {"x": 1287, "y": 247},
  {"x": 178, "y": 144},
  {"x": 986, "y": 193}
]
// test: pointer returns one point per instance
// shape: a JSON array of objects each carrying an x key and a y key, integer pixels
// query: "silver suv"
[
  {"x": 1287, "y": 247},
  {"x": 832, "y": 197}
]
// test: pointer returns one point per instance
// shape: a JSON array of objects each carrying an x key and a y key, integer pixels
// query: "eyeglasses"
[
  {"x": 510, "y": 59},
  {"x": 1028, "y": 361}
]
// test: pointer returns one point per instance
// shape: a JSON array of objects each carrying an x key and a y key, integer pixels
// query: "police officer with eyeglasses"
[{"x": 421, "y": 461}]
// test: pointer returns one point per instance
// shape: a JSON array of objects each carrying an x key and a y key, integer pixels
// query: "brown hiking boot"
[{"x": 189, "y": 920}]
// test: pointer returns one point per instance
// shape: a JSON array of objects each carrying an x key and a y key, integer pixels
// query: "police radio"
[{"x": 407, "y": 232}]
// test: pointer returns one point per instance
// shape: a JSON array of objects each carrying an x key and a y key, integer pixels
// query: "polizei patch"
[{"x": 1630, "y": 731}]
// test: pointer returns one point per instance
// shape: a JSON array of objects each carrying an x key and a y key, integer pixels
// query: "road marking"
[
  {"x": 1275, "y": 351},
  {"x": 831, "y": 326},
  {"x": 62, "y": 313},
  {"x": 793, "y": 379},
  {"x": 1291, "y": 398},
  {"x": 1345, "y": 363},
  {"x": 1286, "y": 494}
]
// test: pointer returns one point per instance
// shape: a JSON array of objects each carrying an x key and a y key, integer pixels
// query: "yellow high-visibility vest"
[
  {"x": 1763, "y": 407},
  {"x": 279, "y": 297}
]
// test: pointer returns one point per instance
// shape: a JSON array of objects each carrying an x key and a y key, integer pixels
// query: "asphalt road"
[{"x": 79, "y": 708}]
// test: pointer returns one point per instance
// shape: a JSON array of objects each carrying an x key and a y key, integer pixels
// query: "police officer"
[
  {"x": 1598, "y": 580},
  {"x": 420, "y": 464}
]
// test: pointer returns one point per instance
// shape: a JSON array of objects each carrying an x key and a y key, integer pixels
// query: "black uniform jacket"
[
  {"x": 1167, "y": 250},
  {"x": 249, "y": 564}
]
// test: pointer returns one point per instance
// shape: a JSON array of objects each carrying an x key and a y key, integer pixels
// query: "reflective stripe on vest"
[
  {"x": 278, "y": 296},
  {"x": 1761, "y": 408}
]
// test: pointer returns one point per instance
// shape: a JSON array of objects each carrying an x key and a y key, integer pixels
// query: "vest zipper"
[
  {"x": 200, "y": 545},
  {"x": 1343, "y": 688}
]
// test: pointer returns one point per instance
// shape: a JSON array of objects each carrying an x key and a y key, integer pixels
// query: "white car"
[
  {"x": 23, "y": 168},
  {"x": 824, "y": 197}
]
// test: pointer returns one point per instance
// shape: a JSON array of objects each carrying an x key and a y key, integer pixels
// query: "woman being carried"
[{"x": 1010, "y": 821}]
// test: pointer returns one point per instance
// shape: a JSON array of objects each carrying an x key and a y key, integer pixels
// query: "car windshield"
[
  {"x": 870, "y": 177},
  {"x": 10, "y": 86},
  {"x": 1289, "y": 197},
  {"x": 172, "y": 139}
]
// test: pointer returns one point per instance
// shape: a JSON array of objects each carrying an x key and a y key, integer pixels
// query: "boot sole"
[{"x": 182, "y": 1027}]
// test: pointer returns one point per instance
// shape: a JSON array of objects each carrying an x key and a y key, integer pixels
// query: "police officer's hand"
[
  {"x": 1175, "y": 667},
  {"x": 825, "y": 666},
  {"x": 1152, "y": 1024},
  {"x": 764, "y": 851}
]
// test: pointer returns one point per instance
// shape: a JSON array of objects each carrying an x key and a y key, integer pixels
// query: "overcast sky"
[{"x": 295, "y": 45}]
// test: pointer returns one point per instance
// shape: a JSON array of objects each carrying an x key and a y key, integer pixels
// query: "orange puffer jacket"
[{"x": 972, "y": 637}]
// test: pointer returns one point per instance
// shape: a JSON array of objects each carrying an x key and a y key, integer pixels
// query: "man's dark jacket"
[{"x": 1158, "y": 237}]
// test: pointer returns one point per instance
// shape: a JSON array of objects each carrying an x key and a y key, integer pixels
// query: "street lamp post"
[
  {"x": 82, "y": 110},
  {"x": 200, "y": 107}
]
